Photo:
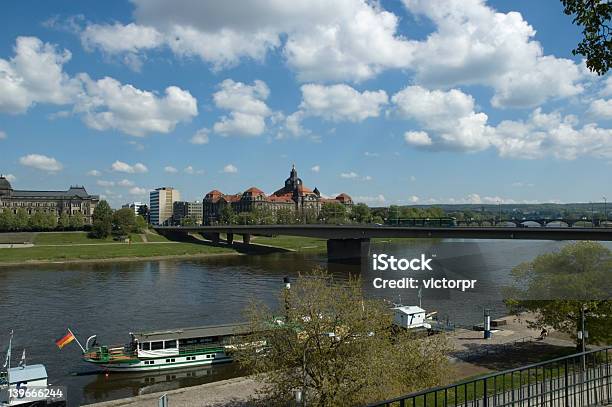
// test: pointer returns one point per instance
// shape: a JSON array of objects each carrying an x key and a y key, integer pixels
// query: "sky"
[{"x": 392, "y": 102}]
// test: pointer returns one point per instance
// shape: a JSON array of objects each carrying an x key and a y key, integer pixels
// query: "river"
[{"x": 112, "y": 299}]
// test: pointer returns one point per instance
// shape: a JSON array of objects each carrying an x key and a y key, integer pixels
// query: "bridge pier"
[
  {"x": 347, "y": 250},
  {"x": 230, "y": 238},
  {"x": 246, "y": 239}
]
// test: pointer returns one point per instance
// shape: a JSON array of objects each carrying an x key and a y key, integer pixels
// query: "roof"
[
  {"x": 70, "y": 193},
  {"x": 280, "y": 198},
  {"x": 343, "y": 197},
  {"x": 194, "y": 332},
  {"x": 27, "y": 373},
  {"x": 4, "y": 183},
  {"x": 410, "y": 309}
]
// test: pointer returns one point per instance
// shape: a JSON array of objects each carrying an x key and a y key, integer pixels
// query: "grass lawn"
[
  {"x": 46, "y": 238},
  {"x": 155, "y": 237},
  {"x": 59, "y": 253},
  {"x": 292, "y": 242}
]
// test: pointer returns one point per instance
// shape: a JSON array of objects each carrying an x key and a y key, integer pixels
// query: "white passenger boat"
[{"x": 172, "y": 349}]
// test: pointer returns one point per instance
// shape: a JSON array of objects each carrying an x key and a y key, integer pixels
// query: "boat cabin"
[
  {"x": 185, "y": 340},
  {"x": 22, "y": 377},
  {"x": 410, "y": 317}
]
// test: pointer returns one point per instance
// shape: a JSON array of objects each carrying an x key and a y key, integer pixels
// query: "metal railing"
[{"x": 582, "y": 379}]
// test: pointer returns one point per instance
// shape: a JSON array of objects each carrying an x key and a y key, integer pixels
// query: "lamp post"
[
  {"x": 606, "y": 210},
  {"x": 499, "y": 207}
]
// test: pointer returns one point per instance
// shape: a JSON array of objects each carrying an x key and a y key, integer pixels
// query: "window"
[
  {"x": 145, "y": 346},
  {"x": 157, "y": 345},
  {"x": 170, "y": 344}
]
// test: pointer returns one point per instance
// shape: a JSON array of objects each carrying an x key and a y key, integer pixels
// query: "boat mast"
[{"x": 7, "y": 364}]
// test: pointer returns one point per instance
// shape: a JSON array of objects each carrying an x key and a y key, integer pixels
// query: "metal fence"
[{"x": 582, "y": 379}]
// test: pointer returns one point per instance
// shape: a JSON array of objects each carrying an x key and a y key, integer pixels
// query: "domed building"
[
  {"x": 293, "y": 196},
  {"x": 74, "y": 200}
]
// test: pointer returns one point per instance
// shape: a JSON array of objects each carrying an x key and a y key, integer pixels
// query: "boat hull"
[{"x": 176, "y": 362}]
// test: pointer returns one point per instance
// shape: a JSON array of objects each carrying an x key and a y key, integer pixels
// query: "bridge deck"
[{"x": 370, "y": 231}]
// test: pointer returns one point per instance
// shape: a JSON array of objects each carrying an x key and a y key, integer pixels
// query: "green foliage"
[
  {"x": 21, "y": 219},
  {"x": 141, "y": 224},
  {"x": 337, "y": 345},
  {"x": 596, "y": 45},
  {"x": 285, "y": 216},
  {"x": 77, "y": 221},
  {"x": 228, "y": 217},
  {"x": 124, "y": 221},
  {"x": 7, "y": 220},
  {"x": 102, "y": 220},
  {"x": 557, "y": 286},
  {"x": 186, "y": 221},
  {"x": 333, "y": 212},
  {"x": 49, "y": 221},
  {"x": 361, "y": 213},
  {"x": 64, "y": 221}
]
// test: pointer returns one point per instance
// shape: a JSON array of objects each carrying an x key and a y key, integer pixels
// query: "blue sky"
[{"x": 393, "y": 102}]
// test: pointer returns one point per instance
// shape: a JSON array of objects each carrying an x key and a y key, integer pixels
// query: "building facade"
[
  {"x": 293, "y": 197},
  {"x": 184, "y": 209},
  {"x": 135, "y": 206},
  {"x": 161, "y": 205},
  {"x": 74, "y": 200}
]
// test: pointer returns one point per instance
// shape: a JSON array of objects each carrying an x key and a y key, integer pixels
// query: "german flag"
[{"x": 65, "y": 340}]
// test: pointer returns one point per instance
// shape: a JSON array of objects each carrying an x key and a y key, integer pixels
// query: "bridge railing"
[{"x": 582, "y": 379}]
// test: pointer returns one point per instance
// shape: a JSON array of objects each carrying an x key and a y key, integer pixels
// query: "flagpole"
[
  {"x": 8, "y": 364},
  {"x": 77, "y": 341}
]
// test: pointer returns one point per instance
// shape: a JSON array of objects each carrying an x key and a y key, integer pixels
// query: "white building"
[
  {"x": 410, "y": 317},
  {"x": 134, "y": 205},
  {"x": 161, "y": 204}
]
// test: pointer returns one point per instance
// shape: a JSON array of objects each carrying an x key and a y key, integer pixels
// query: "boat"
[
  {"x": 26, "y": 385},
  {"x": 171, "y": 349}
]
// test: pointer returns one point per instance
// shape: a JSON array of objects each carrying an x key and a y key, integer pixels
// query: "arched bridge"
[{"x": 352, "y": 241}]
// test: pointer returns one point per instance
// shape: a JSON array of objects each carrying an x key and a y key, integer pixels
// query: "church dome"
[{"x": 5, "y": 184}]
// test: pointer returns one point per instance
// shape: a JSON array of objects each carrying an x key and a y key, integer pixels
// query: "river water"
[{"x": 112, "y": 299}]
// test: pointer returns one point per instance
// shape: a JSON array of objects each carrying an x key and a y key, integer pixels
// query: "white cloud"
[
  {"x": 412, "y": 178},
  {"x": 247, "y": 106},
  {"x": 10, "y": 177},
  {"x": 521, "y": 184},
  {"x": 350, "y": 174},
  {"x": 119, "y": 166},
  {"x": 137, "y": 191},
  {"x": 370, "y": 154},
  {"x": 41, "y": 162},
  {"x": 341, "y": 102},
  {"x": 94, "y": 173},
  {"x": 601, "y": 108},
  {"x": 367, "y": 178},
  {"x": 414, "y": 199},
  {"x": 448, "y": 117},
  {"x": 170, "y": 169},
  {"x": 109, "y": 104},
  {"x": 315, "y": 168},
  {"x": 418, "y": 138},
  {"x": 351, "y": 39},
  {"x": 200, "y": 137},
  {"x": 125, "y": 183},
  {"x": 2, "y": 135},
  {"x": 35, "y": 75},
  {"x": 189, "y": 170},
  {"x": 230, "y": 169},
  {"x": 105, "y": 184},
  {"x": 378, "y": 199},
  {"x": 474, "y": 44},
  {"x": 551, "y": 134}
]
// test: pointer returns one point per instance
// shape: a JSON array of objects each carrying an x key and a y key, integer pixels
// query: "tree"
[
  {"x": 143, "y": 211},
  {"x": 337, "y": 345},
  {"x": 285, "y": 216},
  {"x": 49, "y": 221},
  {"x": 333, "y": 212},
  {"x": 186, "y": 221},
  {"x": 557, "y": 287},
  {"x": 21, "y": 219},
  {"x": 77, "y": 221},
  {"x": 141, "y": 224},
  {"x": 36, "y": 221},
  {"x": 102, "y": 220},
  {"x": 227, "y": 217},
  {"x": 124, "y": 221},
  {"x": 361, "y": 213},
  {"x": 594, "y": 18},
  {"x": 7, "y": 220},
  {"x": 64, "y": 221}
]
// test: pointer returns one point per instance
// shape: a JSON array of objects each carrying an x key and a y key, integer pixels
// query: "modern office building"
[
  {"x": 135, "y": 206},
  {"x": 185, "y": 209},
  {"x": 161, "y": 205},
  {"x": 74, "y": 200},
  {"x": 293, "y": 196}
]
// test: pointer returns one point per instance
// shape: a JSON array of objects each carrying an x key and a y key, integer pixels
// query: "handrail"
[{"x": 487, "y": 377}]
